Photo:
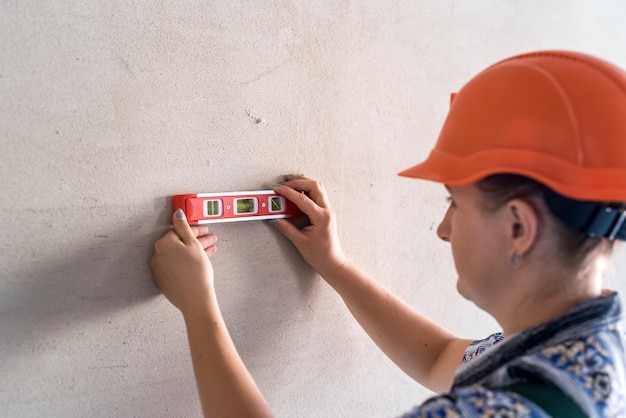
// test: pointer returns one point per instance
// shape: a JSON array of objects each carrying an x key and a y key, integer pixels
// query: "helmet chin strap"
[{"x": 598, "y": 220}]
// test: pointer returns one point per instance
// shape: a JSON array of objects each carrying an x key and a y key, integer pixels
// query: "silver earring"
[{"x": 516, "y": 260}]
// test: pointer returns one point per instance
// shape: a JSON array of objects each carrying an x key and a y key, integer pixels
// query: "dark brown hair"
[{"x": 575, "y": 245}]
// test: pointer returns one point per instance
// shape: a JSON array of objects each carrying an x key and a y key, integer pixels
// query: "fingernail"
[
  {"x": 273, "y": 222},
  {"x": 277, "y": 185},
  {"x": 179, "y": 214}
]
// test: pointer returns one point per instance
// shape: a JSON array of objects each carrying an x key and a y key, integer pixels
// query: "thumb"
[{"x": 181, "y": 227}]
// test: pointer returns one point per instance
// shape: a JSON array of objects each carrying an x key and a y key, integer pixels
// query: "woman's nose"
[{"x": 443, "y": 230}]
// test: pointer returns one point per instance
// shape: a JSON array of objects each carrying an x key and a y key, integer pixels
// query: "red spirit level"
[{"x": 206, "y": 208}]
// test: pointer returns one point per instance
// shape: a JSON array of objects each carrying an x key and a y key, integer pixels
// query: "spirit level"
[{"x": 207, "y": 208}]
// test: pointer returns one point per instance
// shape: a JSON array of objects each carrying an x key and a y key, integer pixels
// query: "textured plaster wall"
[{"x": 107, "y": 108}]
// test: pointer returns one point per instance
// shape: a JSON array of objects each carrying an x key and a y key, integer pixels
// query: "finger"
[
  {"x": 290, "y": 231},
  {"x": 182, "y": 228},
  {"x": 301, "y": 200},
  {"x": 294, "y": 176},
  {"x": 314, "y": 189},
  {"x": 210, "y": 250},
  {"x": 207, "y": 240},
  {"x": 200, "y": 230}
]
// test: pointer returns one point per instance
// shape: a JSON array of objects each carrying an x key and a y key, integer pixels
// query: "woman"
[{"x": 533, "y": 154}]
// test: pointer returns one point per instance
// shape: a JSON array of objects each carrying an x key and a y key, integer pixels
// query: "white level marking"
[
  {"x": 249, "y": 193},
  {"x": 241, "y": 218}
]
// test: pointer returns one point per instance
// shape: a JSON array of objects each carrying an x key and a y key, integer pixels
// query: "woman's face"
[{"x": 479, "y": 245}]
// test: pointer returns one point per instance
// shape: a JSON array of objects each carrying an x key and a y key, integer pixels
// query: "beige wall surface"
[{"x": 107, "y": 108}]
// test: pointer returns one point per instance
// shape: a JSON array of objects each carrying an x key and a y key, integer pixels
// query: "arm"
[
  {"x": 421, "y": 348},
  {"x": 182, "y": 270}
]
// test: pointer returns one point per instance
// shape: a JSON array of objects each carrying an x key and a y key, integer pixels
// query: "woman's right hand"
[{"x": 319, "y": 242}]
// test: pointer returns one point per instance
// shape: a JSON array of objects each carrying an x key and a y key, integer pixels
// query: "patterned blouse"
[{"x": 581, "y": 353}]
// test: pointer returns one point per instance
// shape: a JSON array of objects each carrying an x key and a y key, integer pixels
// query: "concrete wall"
[{"x": 107, "y": 108}]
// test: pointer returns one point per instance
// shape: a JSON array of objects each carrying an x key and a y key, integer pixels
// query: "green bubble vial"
[
  {"x": 276, "y": 204},
  {"x": 213, "y": 208},
  {"x": 246, "y": 206}
]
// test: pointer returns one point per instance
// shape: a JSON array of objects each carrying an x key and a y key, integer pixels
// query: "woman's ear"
[{"x": 523, "y": 222}]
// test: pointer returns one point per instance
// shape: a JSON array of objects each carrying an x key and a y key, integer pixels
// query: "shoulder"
[
  {"x": 480, "y": 346},
  {"x": 478, "y": 401},
  {"x": 594, "y": 364}
]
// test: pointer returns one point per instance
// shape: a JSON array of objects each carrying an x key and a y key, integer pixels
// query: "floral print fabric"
[{"x": 581, "y": 353}]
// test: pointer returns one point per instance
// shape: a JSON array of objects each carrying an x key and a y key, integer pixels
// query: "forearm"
[
  {"x": 225, "y": 386},
  {"x": 424, "y": 350},
  {"x": 409, "y": 339}
]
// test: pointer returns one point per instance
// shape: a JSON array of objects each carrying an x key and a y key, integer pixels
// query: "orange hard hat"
[{"x": 557, "y": 117}]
